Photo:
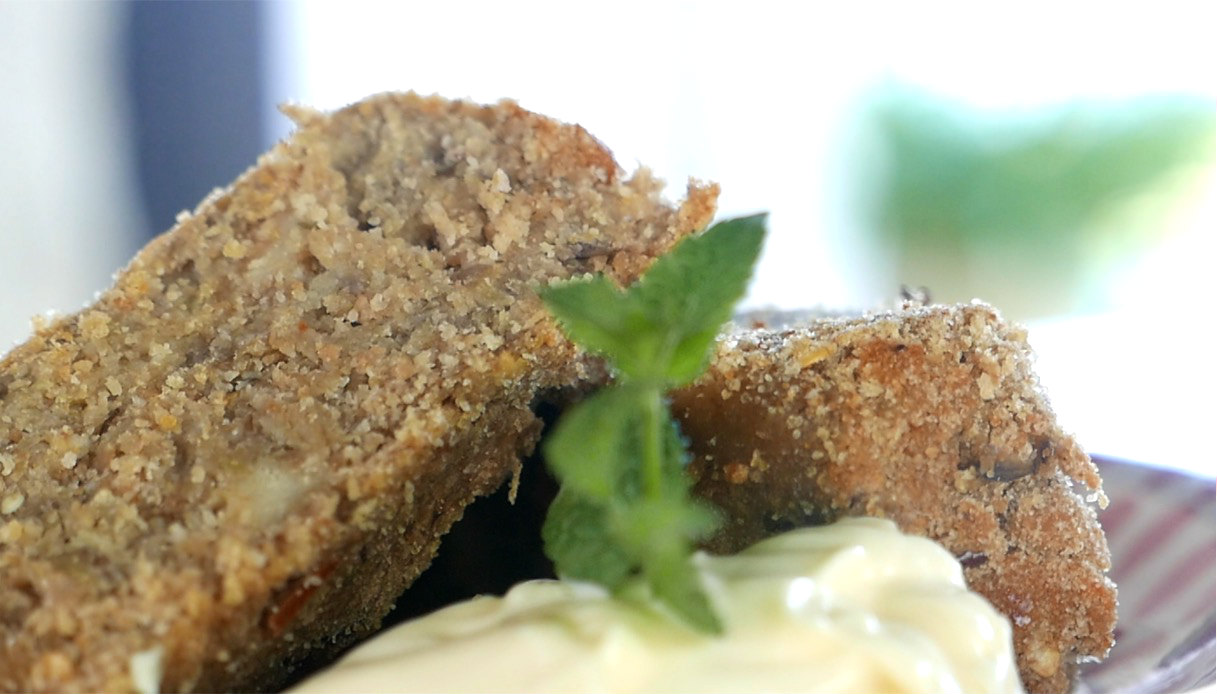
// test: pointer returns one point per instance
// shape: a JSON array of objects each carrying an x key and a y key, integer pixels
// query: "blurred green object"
[{"x": 1029, "y": 209}]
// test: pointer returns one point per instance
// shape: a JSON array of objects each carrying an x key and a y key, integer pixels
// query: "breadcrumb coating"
[
  {"x": 248, "y": 446},
  {"x": 931, "y": 417}
]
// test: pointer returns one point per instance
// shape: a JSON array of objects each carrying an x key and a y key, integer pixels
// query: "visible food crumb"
[
  {"x": 234, "y": 249},
  {"x": 987, "y": 385},
  {"x": 11, "y": 502},
  {"x": 1045, "y": 661},
  {"x": 147, "y": 667}
]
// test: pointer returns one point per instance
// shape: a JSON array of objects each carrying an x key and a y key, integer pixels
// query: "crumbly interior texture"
[
  {"x": 243, "y": 451},
  {"x": 933, "y": 418}
]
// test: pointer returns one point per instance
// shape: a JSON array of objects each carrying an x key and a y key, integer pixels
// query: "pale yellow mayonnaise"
[{"x": 852, "y": 607}]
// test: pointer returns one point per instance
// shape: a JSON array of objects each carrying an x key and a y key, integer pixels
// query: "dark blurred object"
[
  {"x": 1028, "y": 208},
  {"x": 195, "y": 78},
  {"x": 495, "y": 545}
]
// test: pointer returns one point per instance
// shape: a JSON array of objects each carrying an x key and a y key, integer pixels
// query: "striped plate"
[{"x": 1160, "y": 525}]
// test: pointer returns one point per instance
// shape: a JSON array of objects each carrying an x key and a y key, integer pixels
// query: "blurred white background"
[{"x": 769, "y": 99}]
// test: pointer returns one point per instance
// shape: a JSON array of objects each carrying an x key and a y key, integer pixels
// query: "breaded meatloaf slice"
[
  {"x": 248, "y": 446},
  {"x": 932, "y": 417}
]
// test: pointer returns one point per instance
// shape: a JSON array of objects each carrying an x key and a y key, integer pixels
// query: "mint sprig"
[{"x": 624, "y": 508}]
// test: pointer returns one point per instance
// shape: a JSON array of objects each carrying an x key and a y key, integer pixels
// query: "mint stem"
[{"x": 652, "y": 445}]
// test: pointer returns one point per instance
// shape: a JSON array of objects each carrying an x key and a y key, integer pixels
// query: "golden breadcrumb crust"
[
  {"x": 929, "y": 416},
  {"x": 244, "y": 450}
]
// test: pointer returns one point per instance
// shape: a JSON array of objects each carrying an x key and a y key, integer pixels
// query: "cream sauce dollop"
[{"x": 852, "y": 607}]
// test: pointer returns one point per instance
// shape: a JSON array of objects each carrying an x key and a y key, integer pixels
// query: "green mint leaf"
[
  {"x": 658, "y": 532},
  {"x": 675, "y": 581},
  {"x": 661, "y": 329},
  {"x": 598, "y": 316},
  {"x": 577, "y": 538},
  {"x": 586, "y": 445},
  {"x": 661, "y": 525},
  {"x": 611, "y": 322},
  {"x": 692, "y": 290},
  {"x": 625, "y": 509}
]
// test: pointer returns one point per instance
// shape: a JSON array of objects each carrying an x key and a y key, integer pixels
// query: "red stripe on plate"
[
  {"x": 1129, "y": 650},
  {"x": 1179, "y": 581},
  {"x": 1206, "y": 602},
  {"x": 1154, "y": 538},
  {"x": 1117, "y": 514},
  {"x": 1152, "y": 478},
  {"x": 1133, "y": 491},
  {"x": 1146, "y": 645}
]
